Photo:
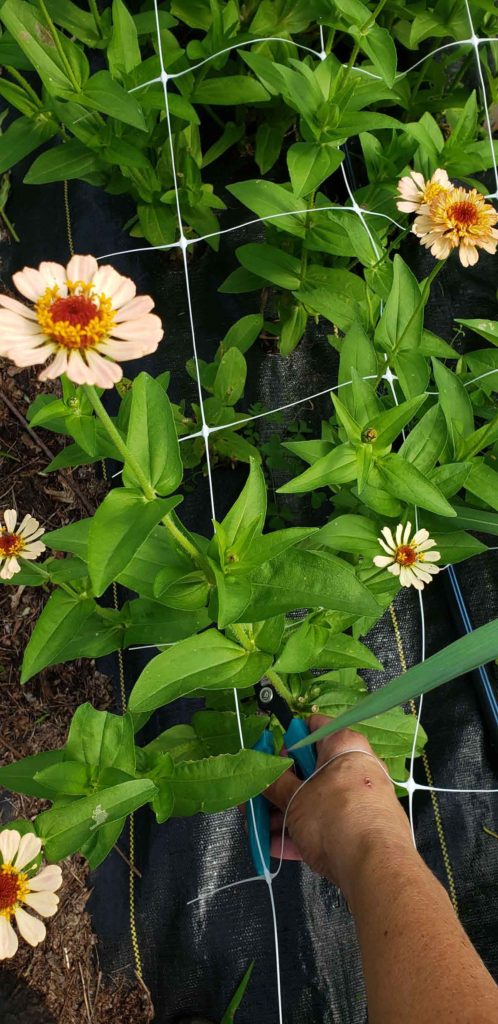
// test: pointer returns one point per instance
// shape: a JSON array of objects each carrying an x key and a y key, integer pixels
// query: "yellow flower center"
[
  {"x": 432, "y": 191},
  {"x": 80, "y": 320},
  {"x": 10, "y": 543},
  {"x": 463, "y": 215},
  {"x": 405, "y": 554},
  {"x": 14, "y": 887}
]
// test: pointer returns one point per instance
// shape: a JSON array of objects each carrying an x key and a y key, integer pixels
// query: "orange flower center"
[
  {"x": 13, "y": 887},
  {"x": 463, "y": 214},
  {"x": 10, "y": 544},
  {"x": 405, "y": 554},
  {"x": 80, "y": 320}
]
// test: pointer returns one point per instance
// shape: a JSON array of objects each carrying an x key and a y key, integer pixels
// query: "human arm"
[{"x": 348, "y": 825}]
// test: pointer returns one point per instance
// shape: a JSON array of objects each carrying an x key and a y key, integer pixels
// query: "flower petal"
[
  {"x": 138, "y": 306},
  {"x": 54, "y": 274},
  {"x": 29, "y": 848},
  {"x": 125, "y": 350},
  {"x": 82, "y": 268},
  {"x": 118, "y": 288},
  {"x": 33, "y": 550},
  {"x": 399, "y": 534},
  {"x": 47, "y": 880},
  {"x": 10, "y": 517},
  {"x": 431, "y": 556},
  {"x": 30, "y": 283},
  {"x": 420, "y": 536},
  {"x": 406, "y": 534},
  {"x": 9, "y": 942},
  {"x": 383, "y": 560},
  {"x": 386, "y": 532},
  {"x": 9, "y": 569},
  {"x": 12, "y": 324},
  {"x": 56, "y": 368},
  {"x": 147, "y": 329},
  {"x": 105, "y": 373},
  {"x": 394, "y": 568},
  {"x": 406, "y": 576},
  {"x": 16, "y": 307},
  {"x": 27, "y": 356},
  {"x": 45, "y": 903},
  {"x": 77, "y": 370},
  {"x": 28, "y": 526},
  {"x": 31, "y": 929},
  {"x": 9, "y": 844}
]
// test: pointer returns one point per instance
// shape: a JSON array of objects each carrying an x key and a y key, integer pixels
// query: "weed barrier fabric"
[{"x": 194, "y": 956}]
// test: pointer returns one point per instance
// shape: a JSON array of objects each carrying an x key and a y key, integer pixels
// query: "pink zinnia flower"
[
  {"x": 461, "y": 220},
  {"x": 84, "y": 316},
  {"x": 416, "y": 192}
]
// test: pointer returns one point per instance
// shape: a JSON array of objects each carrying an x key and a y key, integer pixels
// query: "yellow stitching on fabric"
[
  {"x": 428, "y": 774},
  {"x": 69, "y": 228}
]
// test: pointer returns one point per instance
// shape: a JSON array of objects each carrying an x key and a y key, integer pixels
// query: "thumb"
[{"x": 281, "y": 792}]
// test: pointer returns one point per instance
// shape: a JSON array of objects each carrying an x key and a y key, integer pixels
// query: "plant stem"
[
  {"x": 10, "y": 227},
  {"x": 279, "y": 686},
  {"x": 58, "y": 45},
  {"x": 96, "y": 16},
  {"x": 148, "y": 491},
  {"x": 20, "y": 79}
]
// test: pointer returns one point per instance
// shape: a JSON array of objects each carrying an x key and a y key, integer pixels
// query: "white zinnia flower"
[
  {"x": 21, "y": 543},
  {"x": 415, "y": 191},
  {"x": 85, "y": 316},
  {"x": 411, "y": 560},
  {"x": 17, "y": 887}
]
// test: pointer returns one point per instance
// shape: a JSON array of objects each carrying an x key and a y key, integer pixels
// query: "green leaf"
[
  {"x": 355, "y": 534},
  {"x": 403, "y": 480},
  {"x": 339, "y": 651},
  {"x": 455, "y": 403},
  {"x": 236, "y": 1000},
  {"x": 337, "y": 467},
  {"x": 310, "y": 163},
  {"x": 483, "y": 482},
  {"x": 250, "y": 506},
  {"x": 148, "y": 622},
  {"x": 152, "y": 439},
  {"x": 64, "y": 829},
  {"x": 70, "y": 778},
  {"x": 36, "y": 40},
  {"x": 119, "y": 527},
  {"x": 458, "y": 658},
  {"x": 230, "y": 379},
  {"x": 104, "y": 94},
  {"x": 208, "y": 661},
  {"x": 77, "y": 22},
  {"x": 68, "y": 161},
  {"x": 22, "y": 137},
  {"x": 293, "y": 321},
  {"x": 268, "y": 200},
  {"x": 101, "y": 738},
  {"x": 388, "y": 425},
  {"x": 425, "y": 442},
  {"x": 19, "y": 776},
  {"x": 217, "y": 783},
  {"x": 243, "y": 333},
  {"x": 378, "y": 44},
  {"x": 400, "y": 326},
  {"x": 230, "y": 91},
  {"x": 123, "y": 51},
  {"x": 69, "y": 628},
  {"x": 271, "y": 264},
  {"x": 217, "y": 732},
  {"x": 475, "y": 519},
  {"x": 306, "y": 579},
  {"x": 486, "y": 328}
]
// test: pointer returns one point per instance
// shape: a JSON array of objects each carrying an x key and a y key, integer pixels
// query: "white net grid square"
[{"x": 183, "y": 244}]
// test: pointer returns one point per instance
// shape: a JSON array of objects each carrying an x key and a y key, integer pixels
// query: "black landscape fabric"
[{"x": 194, "y": 955}]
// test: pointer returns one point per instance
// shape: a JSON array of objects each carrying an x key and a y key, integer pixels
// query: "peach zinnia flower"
[
  {"x": 411, "y": 560},
  {"x": 18, "y": 885},
  {"x": 416, "y": 192},
  {"x": 458, "y": 220},
  {"x": 85, "y": 316},
  {"x": 21, "y": 543}
]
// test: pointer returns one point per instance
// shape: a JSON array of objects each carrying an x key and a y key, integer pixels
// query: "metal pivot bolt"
[{"x": 266, "y": 695}]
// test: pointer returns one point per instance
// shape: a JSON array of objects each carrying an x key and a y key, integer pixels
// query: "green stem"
[
  {"x": 310, "y": 203},
  {"x": 20, "y": 79},
  {"x": 279, "y": 686},
  {"x": 58, "y": 45},
  {"x": 148, "y": 491},
  {"x": 96, "y": 16},
  {"x": 241, "y": 635},
  {"x": 10, "y": 227}
]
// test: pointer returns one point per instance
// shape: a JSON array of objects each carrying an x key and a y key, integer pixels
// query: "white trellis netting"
[{"x": 183, "y": 244}]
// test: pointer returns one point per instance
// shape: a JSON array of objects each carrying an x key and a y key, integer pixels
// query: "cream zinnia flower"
[
  {"x": 411, "y": 560},
  {"x": 21, "y": 543},
  {"x": 17, "y": 887},
  {"x": 416, "y": 192},
  {"x": 458, "y": 219},
  {"x": 85, "y": 316}
]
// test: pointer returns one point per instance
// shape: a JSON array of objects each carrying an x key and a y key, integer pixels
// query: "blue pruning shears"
[{"x": 258, "y": 809}]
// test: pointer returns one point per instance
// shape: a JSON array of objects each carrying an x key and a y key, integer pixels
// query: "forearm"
[{"x": 419, "y": 965}]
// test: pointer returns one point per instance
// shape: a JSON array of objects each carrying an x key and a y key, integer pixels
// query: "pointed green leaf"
[{"x": 152, "y": 438}]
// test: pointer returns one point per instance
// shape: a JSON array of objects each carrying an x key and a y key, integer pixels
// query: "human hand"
[{"x": 344, "y": 810}]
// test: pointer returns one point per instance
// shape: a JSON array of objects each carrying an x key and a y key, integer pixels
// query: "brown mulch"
[{"x": 63, "y": 974}]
